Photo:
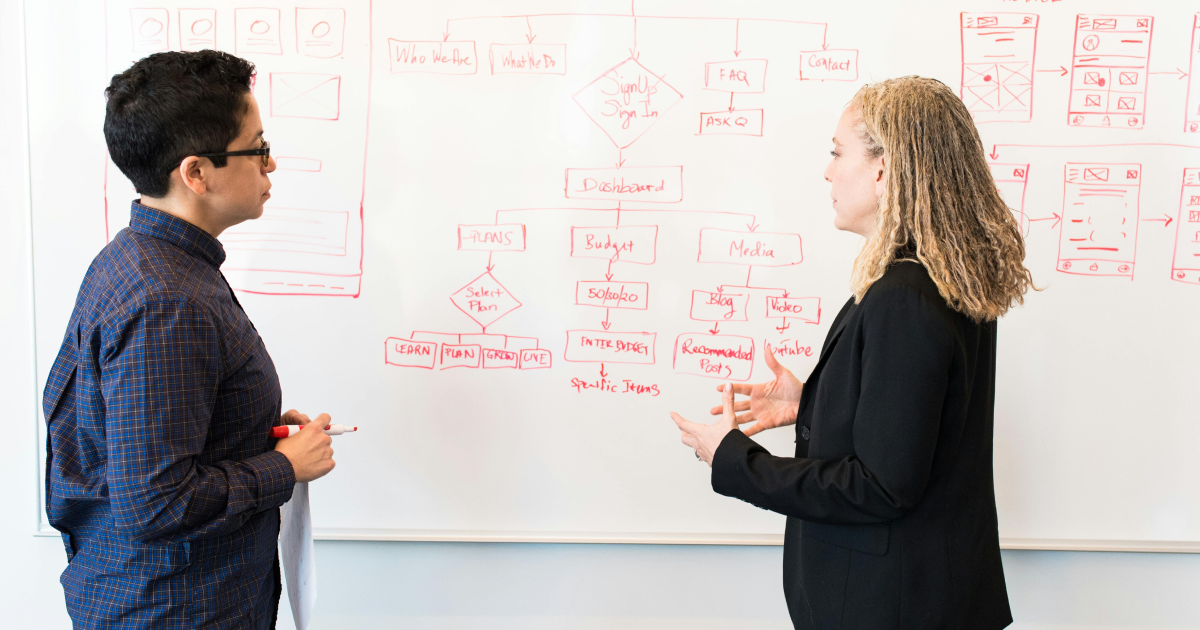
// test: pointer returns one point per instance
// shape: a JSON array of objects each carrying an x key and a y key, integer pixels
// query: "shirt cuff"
[
  {"x": 276, "y": 479},
  {"x": 729, "y": 462}
]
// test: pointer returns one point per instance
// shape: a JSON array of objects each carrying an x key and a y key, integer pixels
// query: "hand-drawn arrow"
[
  {"x": 446, "y": 33},
  {"x": 714, "y": 330},
  {"x": 1167, "y": 219},
  {"x": 784, "y": 327},
  {"x": 752, "y": 227},
  {"x": 1062, "y": 70},
  {"x": 603, "y": 374},
  {"x": 608, "y": 274},
  {"x": 1054, "y": 216},
  {"x": 620, "y": 160},
  {"x": 633, "y": 52},
  {"x": 824, "y": 37},
  {"x": 605, "y": 323},
  {"x": 490, "y": 266},
  {"x": 731, "y": 101},
  {"x": 737, "y": 27},
  {"x": 530, "y": 36},
  {"x": 1177, "y": 71}
]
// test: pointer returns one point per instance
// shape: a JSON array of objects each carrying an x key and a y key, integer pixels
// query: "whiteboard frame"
[{"x": 42, "y": 528}]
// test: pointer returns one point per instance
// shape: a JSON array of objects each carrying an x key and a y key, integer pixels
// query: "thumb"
[
  {"x": 318, "y": 424},
  {"x": 772, "y": 364}
]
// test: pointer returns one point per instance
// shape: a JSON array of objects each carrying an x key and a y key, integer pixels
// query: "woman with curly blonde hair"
[{"x": 890, "y": 498}]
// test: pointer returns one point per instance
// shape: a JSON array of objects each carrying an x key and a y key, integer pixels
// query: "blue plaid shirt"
[{"x": 159, "y": 470}]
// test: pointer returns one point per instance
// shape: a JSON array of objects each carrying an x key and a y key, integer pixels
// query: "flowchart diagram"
[
  {"x": 625, "y": 103},
  {"x": 314, "y": 83}
]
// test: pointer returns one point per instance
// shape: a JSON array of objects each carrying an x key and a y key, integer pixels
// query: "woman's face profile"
[{"x": 856, "y": 178}]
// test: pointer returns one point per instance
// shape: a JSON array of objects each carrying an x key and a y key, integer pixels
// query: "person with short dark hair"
[{"x": 160, "y": 472}]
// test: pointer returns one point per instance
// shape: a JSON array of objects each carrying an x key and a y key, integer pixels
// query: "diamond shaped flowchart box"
[
  {"x": 626, "y": 101},
  {"x": 485, "y": 300}
]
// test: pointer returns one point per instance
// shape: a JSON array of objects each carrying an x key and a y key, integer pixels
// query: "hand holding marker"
[{"x": 289, "y": 430}]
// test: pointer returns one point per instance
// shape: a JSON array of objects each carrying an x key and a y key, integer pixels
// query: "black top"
[{"x": 890, "y": 500}]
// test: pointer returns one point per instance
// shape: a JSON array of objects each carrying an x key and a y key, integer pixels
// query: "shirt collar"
[{"x": 191, "y": 239}]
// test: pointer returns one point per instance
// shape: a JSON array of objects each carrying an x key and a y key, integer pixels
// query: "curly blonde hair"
[{"x": 940, "y": 205}]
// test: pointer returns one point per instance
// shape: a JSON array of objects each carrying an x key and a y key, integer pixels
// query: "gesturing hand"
[
  {"x": 705, "y": 438},
  {"x": 773, "y": 404},
  {"x": 310, "y": 451}
]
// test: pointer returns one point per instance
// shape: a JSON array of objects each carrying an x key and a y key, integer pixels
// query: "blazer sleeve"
[{"x": 907, "y": 352}]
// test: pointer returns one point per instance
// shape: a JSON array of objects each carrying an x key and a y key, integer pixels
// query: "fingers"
[
  {"x": 749, "y": 431},
  {"x": 772, "y": 364},
  {"x": 746, "y": 417},
  {"x": 684, "y": 425},
  {"x": 741, "y": 405},
  {"x": 690, "y": 440},
  {"x": 291, "y": 416},
  {"x": 323, "y": 419},
  {"x": 741, "y": 389},
  {"x": 727, "y": 400}
]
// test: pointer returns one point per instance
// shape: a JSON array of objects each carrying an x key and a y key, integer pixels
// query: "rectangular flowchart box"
[
  {"x": 432, "y": 57},
  {"x": 761, "y": 249},
  {"x": 627, "y": 243},
  {"x": 829, "y": 65},
  {"x": 719, "y": 307},
  {"x": 652, "y": 184},
  {"x": 728, "y": 357},
  {"x": 410, "y": 353},
  {"x": 505, "y": 237},
  {"x": 595, "y": 346},
  {"x": 743, "y": 76},
  {"x": 738, "y": 122},
  {"x": 528, "y": 58},
  {"x": 805, "y": 309},
  {"x": 611, "y": 294}
]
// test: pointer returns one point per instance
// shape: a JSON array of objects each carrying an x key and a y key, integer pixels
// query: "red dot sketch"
[
  {"x": 719, "y": 307},
  {"x": 305, "y": 95},
  {"x": 829, "y": 65},
  {"x": 296, "y": 230},
  {"x": 197, "y": 29},
  {"x": 432, "y": 57},
  {"x": 605, "y": 346},
  {"x": 1191, "y": 119},
  {"x": 485, "y": 300},
  {"x": 1100, "y": 219},
  {"x": 1185, "y": 262},
  {"x": 320, "y": 32},
  {"x": 150, "y": 32},
  {"x": 651, "y": 184},
  {"x": 727, "y": 357},
  {"x": 528, "y": 58},
  {"x": 760, "y": 249},
  {"x": 740, "y": 122},
  {"x": 740, "y": 76},
  {"x": 1011, "y": 181},
  {"x": 1109, "y": 68},
  {"x": 998, "y": 53},
  {"x": 626, "y": 100},
  {"x": 256, "y": 31}
]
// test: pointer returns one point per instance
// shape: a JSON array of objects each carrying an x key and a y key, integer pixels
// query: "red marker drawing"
[{"x": 288, "y": 430}]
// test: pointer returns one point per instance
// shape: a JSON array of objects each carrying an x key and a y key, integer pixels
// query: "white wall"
[{"x": 497, "y": 586}]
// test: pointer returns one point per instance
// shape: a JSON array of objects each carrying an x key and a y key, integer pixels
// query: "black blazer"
[{"x": 890, "y": 501}]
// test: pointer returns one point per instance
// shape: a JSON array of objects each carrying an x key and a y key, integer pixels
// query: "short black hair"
[{"x": 171, "y": 105}]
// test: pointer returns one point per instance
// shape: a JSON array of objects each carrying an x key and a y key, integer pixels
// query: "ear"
[
  {"x": 192, "y": 174},
  {"x": 880, "y": 175}
]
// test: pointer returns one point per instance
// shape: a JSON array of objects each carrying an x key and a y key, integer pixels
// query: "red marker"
[{"x": 288, "y": 430}]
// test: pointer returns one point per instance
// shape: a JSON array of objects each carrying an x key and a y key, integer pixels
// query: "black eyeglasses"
[{"x": 264, "y": 151}]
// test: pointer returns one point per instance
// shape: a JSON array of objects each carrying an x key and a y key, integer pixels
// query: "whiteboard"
[{"x": 531, "y": 229}]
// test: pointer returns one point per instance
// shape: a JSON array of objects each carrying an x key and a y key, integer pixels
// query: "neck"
[{"x": 187, "y": 210}]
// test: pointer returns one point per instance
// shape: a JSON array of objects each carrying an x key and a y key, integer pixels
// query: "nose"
[
  {"x": 270, "y": 164},
  {"x": 828, "y": 168}
]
